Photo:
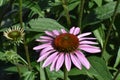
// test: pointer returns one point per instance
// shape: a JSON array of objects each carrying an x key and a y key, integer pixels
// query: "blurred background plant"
[{"x": 101, "y": 17}]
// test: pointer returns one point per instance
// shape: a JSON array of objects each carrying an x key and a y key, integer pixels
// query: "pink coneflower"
[{"x": 64, "y": 47}]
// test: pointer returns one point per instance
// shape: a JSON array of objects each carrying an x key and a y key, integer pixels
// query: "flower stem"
[
  {"x": 20, "y": 13},
  {"x": 110, "y": 27},
  {"x": 16, "y": 64},
  {"x": 114, "y": 78},
  {"x": 80, "y": 12},
  {"x": 65, "y": 73},
  {"x": 24, "y": 41},
  {"x": 42, "y": 73},
  {"x": 64, "y": 4}
]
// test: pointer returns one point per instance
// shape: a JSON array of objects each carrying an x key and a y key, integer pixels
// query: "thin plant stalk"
[
  {"x": 65, "y": 73},
  {"x": 110, "y": 27},
  {"x": 80, "y": 13},
  {"x": 16, "y": 64},
  {"x": 64, "y": 4},
  {"x": 24, "y": 41}
]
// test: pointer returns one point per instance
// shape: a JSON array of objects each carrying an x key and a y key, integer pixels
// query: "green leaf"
[
  {"x": 98, "y": 2},
  {"x": 73, "y": 4},
  {"x": 99, "y": 34},
  {"x": 117, "y": 62},
  {"x": 53, "y": 75},
  {"x": 33, "y": 6},
  {"x": 29, "y": 75},
  {"x": 100, "y": 13},
  {"x": 42, "y": 24},
  {"x": 118, "y": 77},
  {"x": 98, "y": 69}
]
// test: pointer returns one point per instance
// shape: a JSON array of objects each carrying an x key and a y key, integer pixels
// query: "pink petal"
[
  {"x": 44, "y": 41},
  {"x": 56, "y": 32},
  {"x": 67, "y": 61},
  {"x": 60, "y": 61},
  {"x": 83, "y": 59},
  {"x": 63, "y": 31},
  {"x": 41, "y": 46},
  {"x": 76, "y": 61},
  {"x": 52, "y": 67},
  {"x": 49, "y": 33},
  {"x": 84, "y": 34},
  {"x": 50, "y": 59},
  {"x": 50, "y": 48},
  {"x": 88, "y": 42},
  {"x": 86, "y": 38},
  {"x": 72, "y": 30},
  {"x": 76, "y": 31},
  {"x": 43, "y": 56},
  {"x": 46, "y": 37},
  {"x": 90, "y": 49}
]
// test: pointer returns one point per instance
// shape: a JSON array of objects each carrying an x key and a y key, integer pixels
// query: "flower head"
[
  {"x": 64, "y": 47},
  {"x": 15, "y": 34}
]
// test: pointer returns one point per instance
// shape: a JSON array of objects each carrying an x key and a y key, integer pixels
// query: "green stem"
[
  {"x": 16, "y": 64},
  {"x": 65, "y": 73},
  {"x": 24, "y": 41},
  {"x": 20, "y": 13},
  {"x": 110, "y": 27},
  {"x": 64, "y": 4},
  {"x": 80, "y": 12},
  {"x": 42, "y": 73},
  {"x": 116, "y": 74},
  {"x": 27, "y": 54}
]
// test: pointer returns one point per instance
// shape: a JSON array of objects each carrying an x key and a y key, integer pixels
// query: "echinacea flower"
[
  {"x": 14, "y": 34},
  {"x": 64, "y": 47}
]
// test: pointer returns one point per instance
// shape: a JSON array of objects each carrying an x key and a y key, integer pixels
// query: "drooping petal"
[
  {"x": 46, "y": 38},
  {"x": 60, "y": 61},
  {"x": 44, "y": 41},
  {"x": 67, "y": 62},
  {"x": 87, "y": 42},
  {"x": 83, "y": 59},
  {"x": 87, "y": 38},
  {"x": 75, "y": 61},
  {"x": 63, "y": 31},
  {"x": 90, "y": 49},
  {"x": 41, "y": 58},
  {"x": 56, "y": 32},
  {"x": 76, "y": 31},
  {"x": 50, "y": 59},
  {"x": 72, "y": 30},
  {"x": 49, "y": 33},
  {"x": 53, "y": 65},
  {"x": 84, "y": 34},
  {"x": 43, "y": 51},
  {"x": 41, "y": 46}
]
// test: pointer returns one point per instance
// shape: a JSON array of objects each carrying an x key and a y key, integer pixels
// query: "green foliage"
[
  {"x": 47, "y": 15},
  {"x": 98, "y": 69},
  {"x": 100, "y": 13},
  {"x": 42, "y": 24}
]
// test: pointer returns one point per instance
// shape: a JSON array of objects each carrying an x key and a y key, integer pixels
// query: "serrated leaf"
[
  {"x": 100, "y": 13},
  {"x": 42, "y": 24},
  {"x": 98, "y": 69}
]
